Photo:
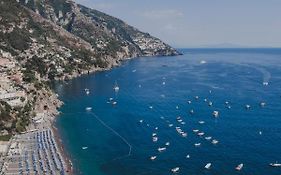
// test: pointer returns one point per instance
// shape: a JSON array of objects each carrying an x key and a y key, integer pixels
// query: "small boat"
[
  {"x": 260, "y": 132},
  {"x": 210, "y": 103},
  {"x": 162, "y": 149},
  {"x": 163, "y": 83},
  {"x": 239, "y": 167},
  {"x": 167, "y": 143},
  {"x": 247, "y": 106},
  {"x": 116, "y": 87},
  {"x": 228, "y": 107},
  {"x": 154, "y": 139},
  {"x": 156, "y": 128},
  {"x": 262, "y": 104},
  {"x": 110, "y": 99},
  {"x": 177, "y": 107},
  {"x": 226, "y": 102},
  {"x": 205, "y": 100},
  {"x": 215, "y": 142},
  {"x": 171, "y": 125},
  {"x": 134, "y": 70},
  {"x": 275, "y": 164},
  {"x": 150, "y": 107},
  {"x": 184, "y": 134},
  {"x": 208, "y": 166},
  {"x": 191, "y": 111},
  {"x": 175, "y": 170},
  {"x": 265, "y": 83},
  {"x": 203, "y": 62},
  {"x": 196, "y": 97},
  {"x": 195, "y": 130},
  {"x": 201, "y": 122},
  {"x": 188, "y": 156},
  {"x": 87, "y": 92},
  {"x": 183, "y": 123},
  {"x": 84, "y": 147},
  {"x": 208, "y": 138},
  {"x": 154, "y": 134},
  {"x": 189, "y": 102},
  {"x": 88, "y": 108},
  {"x": 114, "y": 103},
  {"x": 153, "y": 157},
  {"x": 180, "y": 120},
  {"x": 141, "y": 121},
  {"x": 200, "y": 133},
  {"x": 216, "y": 113},
  {"x": 197, "y": 144}
]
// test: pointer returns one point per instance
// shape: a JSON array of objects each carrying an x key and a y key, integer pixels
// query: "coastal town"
[{"x": 34, "y": 148}]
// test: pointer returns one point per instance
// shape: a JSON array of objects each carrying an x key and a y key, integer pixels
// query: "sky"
[{"x": 200, "y": 23}]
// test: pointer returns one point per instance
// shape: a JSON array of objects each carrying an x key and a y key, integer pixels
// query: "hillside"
[{"x": 43, "y": 40}]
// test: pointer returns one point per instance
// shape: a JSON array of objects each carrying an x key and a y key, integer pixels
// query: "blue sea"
[{"x": 154, "y": 92}]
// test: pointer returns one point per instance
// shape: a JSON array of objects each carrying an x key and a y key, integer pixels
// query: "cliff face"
[{"x": 42, "y": 40}]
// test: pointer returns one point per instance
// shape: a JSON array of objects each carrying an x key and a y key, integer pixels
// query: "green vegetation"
[{"x": 5, "y": 137}]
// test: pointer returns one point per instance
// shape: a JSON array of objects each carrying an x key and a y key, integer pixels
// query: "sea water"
[{"x": 117, "y": 139}]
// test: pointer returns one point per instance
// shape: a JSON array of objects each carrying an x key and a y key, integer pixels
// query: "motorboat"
[
  {"x": 210, "y": 103},
  {"x": 114, "y": 103},
  {"x": 200, "y": 133},
  {"x": 195, "y": 130},
  {"x": 175, "y": 170},
  {"x": 216, "y": 113},
  {"x": 116, "y": 87},
  {"x": 196, "y": 97},
  {"x": 188, "y": 156},
  {"x": 201, "y": 122},
  {"x": 275, "y": 164},
  {"x": 154, "y": 134},
  {"x": 84, "y": 147},
  {"x": 197, "y": 144},
  {"x": 203, "y": 62},
  {"x": 208, "y": 166},
  {"x": 167, "y": 143},
  {"x": 161, "y": 149},
  {"x": 265, "y": 83},
  {"x": 247, "y": 106},
  {"x": 215, "y": 142},
  {"x": 88, "y": 108},
  {"x": 184, "y": 134},
  {"x": 262, "y": 104},
  {"x": 171, "y": 125},
  {"x": 154, "y": 139},
  {"x": 208, "y": 138},
  {"x": 239, "y": 167},
  {"x": 153, "y": 157},
  {"x": 189, "y": 102},
  {"x": 191, "y": 111}
]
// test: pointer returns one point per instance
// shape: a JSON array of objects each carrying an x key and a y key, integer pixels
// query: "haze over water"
[{"x": 251, "y": 137}]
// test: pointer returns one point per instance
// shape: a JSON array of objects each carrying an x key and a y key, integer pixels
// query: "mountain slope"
[{"x": 43, "y": 40}]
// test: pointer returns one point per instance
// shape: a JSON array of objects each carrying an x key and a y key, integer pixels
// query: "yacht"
[
  {"x": 239, "y": 167},
  {"x": 208, "y": 166},
  {"x": 275, "y": 164},
  {"x": 175, "y": 170}
]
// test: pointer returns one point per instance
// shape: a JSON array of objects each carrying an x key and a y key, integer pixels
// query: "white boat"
[
  {"x": 226, "y": 102},
  {"x": 175, "y": 170},
  {"x": 184, "y": 134},
  {"x": 156, "y": 128},
  {"x": 197, "y": 144},
  {"x": 87, "y": 92},
  {"x": 210, "y": 103},
  {"x": 114, "y": 103},
  {"x": 239, "y": 167},
  {"x": 188, "y": 156},
  {"x": 88, "y": 108},
  {"x": 183, "y": 123},
  {"x": 116, "y": 87},
  {"x": 177, "y": 107},
  {"x": 262, "y": 104},
  {"x": 208, "y": 166},
  {"x": 167, "y": 143},
  {"x": 171, "y": 125},
  {"x": 195, "y": 130},
  {"x": 203, "y": 62},
  {"x": 110, "y": 99},
  {"x": 180, "y": 120},
  {"x": 134, "y": 70},
  {"x": 84, "y": 147},
  {"x": 215, "y": 142},
  {"x": 189, "y": 102},
  {"x": 260, "y": 132},
  {"x": 265, "y": 83},
  {"x": 247, "y": 106},
  {"x": 205, "y": 100},
  {"x": 208, "y": 138},
  {"x": 154, "y": 139},
  {"x": 196, "y": 97},
  {"x": 150, "y": 107},
  {"x": 141, "y": 121},
  {"x": 162, "y": 149},
  {"x": 200, "y": 133},
  {"x": 216, "y": 113},
  {"x": 191, "y": 111},
  {"x": 275, "y": 164},
  {"x": 201, "y": 122},
  {"x": 163, "y": 83},
  {"x": 153, "y": 157},
  {"x": 154, "y": 134}
]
